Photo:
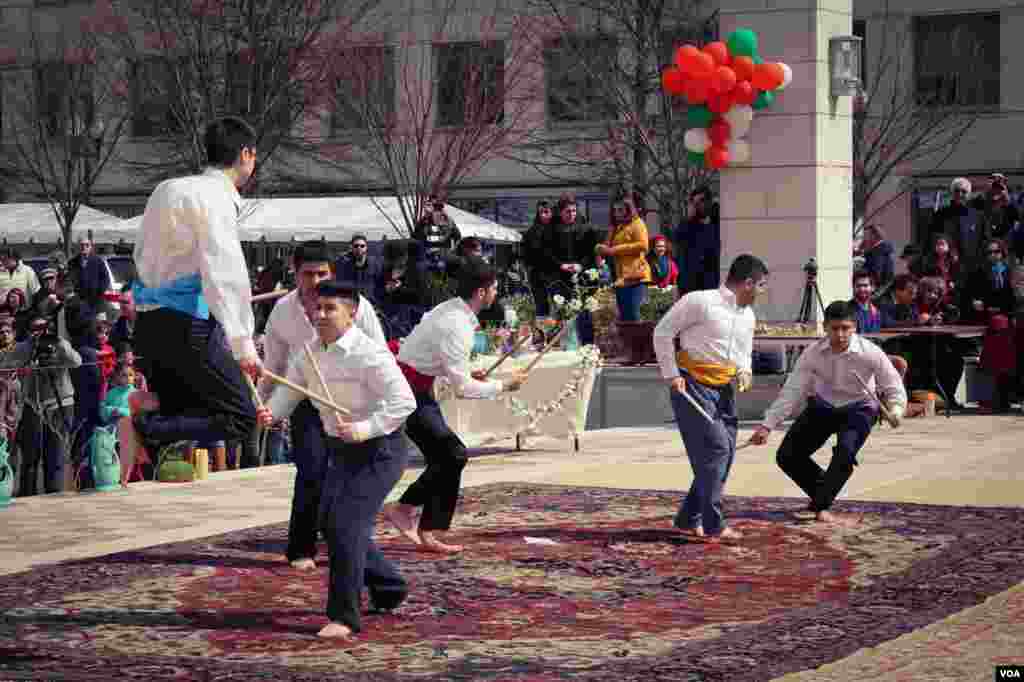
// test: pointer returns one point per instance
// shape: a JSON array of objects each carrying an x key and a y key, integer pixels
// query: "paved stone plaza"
[{"x": 965, "y": 460}]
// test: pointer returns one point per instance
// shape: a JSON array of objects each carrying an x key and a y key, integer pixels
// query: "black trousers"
[
  {"x": 37, "y": 441},
  {"x": 359, "y": 477},
  {"x": 437, "y": 488},
  {"x": 309, "y": 452},
  {"x": 852, "y": 424},
  {"x": 203, "y": 393}
]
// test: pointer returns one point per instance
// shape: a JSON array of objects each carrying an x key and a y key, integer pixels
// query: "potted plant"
[{"x": 638, "y": 337}]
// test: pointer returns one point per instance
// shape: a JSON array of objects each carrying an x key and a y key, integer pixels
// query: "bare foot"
[
  {"x": 335, "y": 631},
  {"x": 727, "y": 535},
  {"x": 401, "y": 516},
  {"x": 434, "y": 545},
  {"x": 303, "y": 564}
]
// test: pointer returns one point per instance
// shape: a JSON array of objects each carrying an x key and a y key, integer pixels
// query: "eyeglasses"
[{"x": 359, "y": 246}]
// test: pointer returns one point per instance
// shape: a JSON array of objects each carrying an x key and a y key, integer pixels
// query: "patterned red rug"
[{"x": 559, "y": 583}]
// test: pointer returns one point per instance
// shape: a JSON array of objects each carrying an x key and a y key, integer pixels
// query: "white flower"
[
  {"x": 558, "y": 299},
  {"x": 593, "y": 274},
  {"x": 576, "y": 305}
]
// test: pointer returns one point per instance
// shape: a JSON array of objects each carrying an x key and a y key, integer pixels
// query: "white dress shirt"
[
  {"x": 289, "y": 329},
  {"x": 191, "y": 226},
  {"x": 710, "y": 327},
  {"x": 440, "y": 345},
  {"x": 362, "y": 376},
  {"x": 829, "y": 375}
]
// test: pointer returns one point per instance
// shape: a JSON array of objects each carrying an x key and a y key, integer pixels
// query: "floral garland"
[{"x": 589, "y": 358}]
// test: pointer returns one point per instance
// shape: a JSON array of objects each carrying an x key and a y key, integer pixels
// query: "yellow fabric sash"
[{"x": 710, "y": 373}]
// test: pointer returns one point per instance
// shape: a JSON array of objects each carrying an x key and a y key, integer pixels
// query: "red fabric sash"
[{"x": 420, "y": 383}]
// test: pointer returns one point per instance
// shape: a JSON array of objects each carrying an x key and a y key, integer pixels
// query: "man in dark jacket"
[
  {"x": 88, "y": 274},
  {"x": 961, "y": 223},
  {"x": 566, "y": 248},
  {"x": 357, "y": 267},
  {"x": 878, "y": 256},
  {"x": 698, "y": 244}
]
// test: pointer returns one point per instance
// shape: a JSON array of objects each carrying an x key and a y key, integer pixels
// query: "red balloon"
[
  {"x": 720, "y": 131},
  {"x": 720, "y": 103},
  {"x": 719, "y": 51},
  {"x": 744, "y": 93},
  {"x": 673, "y": 81},
  {"x": 716, "y": 157},
  {"x": 744, "y": 68},
  {"x": 696, "y": 91},
  {"x": 697, "y": 65},
  {"x": 685, "y": 54},
  {"x": 724, "y": 79},
  {"x": 768, "y": 76}
]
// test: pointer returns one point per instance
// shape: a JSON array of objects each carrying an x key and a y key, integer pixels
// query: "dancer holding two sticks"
[
  {"x": 836, "y": 378},
  {"x": 289, "y": 328},
  {"x": 715, "y": 329},
  {"x": 366, "y": 454},
  {"x": 440, "y": 345}
]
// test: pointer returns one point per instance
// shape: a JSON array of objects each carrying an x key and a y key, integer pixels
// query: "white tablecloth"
[{"x": 485, "y": 422}]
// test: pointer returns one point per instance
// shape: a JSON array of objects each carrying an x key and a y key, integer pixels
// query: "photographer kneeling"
[{"x": 43, "y": 360}]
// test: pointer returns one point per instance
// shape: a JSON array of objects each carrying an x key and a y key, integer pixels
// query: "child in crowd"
[{"x": 105, "y": 355}]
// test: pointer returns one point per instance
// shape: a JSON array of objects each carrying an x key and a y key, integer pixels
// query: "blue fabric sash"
[{"x": 184, "y": 294}]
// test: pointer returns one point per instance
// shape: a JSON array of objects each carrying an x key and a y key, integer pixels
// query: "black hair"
[
  {"x": 13, "y": 252},
  {"x": 357, "y": 237},
  {"x": 902, "y": 282},
  {"x": 225, "y": 139},
  {"x": 330, "y": 288},
  {"x": 746, "y": 267},
  {"x": 310, "y": 252},
  {"x": 839, "y": 311},
  {"x": 861, "y": 274},
  {"x": 475, "y": 273},
  {"x": 704, "y": 190},
  {"x": 124, "y": 347}
]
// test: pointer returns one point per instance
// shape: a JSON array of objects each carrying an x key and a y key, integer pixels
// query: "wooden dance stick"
[
  {"x": 696, "y": 406},
  {"x": 320, "y": 378},
  {"x": 269, "y": 296},
  {"x": 545, "y": 349},
  {"x": 255, "y": 393},
  {"x": 277, "y": 379},
  {"x": 507, "y": 354},
  {"x": 885, "y": 410}
]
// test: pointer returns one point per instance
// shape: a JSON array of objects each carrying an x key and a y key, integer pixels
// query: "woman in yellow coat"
[{"x": 627, "y": 245}]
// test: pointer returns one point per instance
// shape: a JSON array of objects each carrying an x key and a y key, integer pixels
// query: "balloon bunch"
[{"x": 724, "y": 84}]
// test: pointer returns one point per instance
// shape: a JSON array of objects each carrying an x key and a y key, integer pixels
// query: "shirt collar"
[
  {"x": 213, "y": 172},
  {"x": 346, "y": 340},
  {"x": 727, "y": 295},
  {"x": 465, "y": 307},
  {"x": 856, "y": 345}
]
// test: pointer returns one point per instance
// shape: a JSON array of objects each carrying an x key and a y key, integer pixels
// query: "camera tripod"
[{"x": 810, "y": 295}]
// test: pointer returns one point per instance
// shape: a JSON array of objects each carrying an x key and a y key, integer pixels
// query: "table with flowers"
[{"x": 553, "y": 402}]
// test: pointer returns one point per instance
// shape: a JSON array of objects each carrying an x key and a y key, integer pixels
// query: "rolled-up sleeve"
[
  {"x": 284, "y": 400},
  {"x": 792, "y": 393},
  {"x": 275, "y": 350},
  {"x": 890, "y": 385},
  {"x": 226, "y": 285},
  {"x": 455, "y": 352}
]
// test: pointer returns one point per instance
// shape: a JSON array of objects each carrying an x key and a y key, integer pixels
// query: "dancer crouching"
[
  {"x": 716, "y": 336},
  {"x": 440, "y": 345},
  {"x": 837, "y": 378},
  {"x": 366, "y": 454}
]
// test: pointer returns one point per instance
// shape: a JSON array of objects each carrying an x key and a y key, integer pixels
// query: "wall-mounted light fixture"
[{"x": 844, "y": 65}]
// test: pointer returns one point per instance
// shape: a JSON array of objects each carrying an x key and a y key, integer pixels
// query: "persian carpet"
[{"x": 557, "y": 583}]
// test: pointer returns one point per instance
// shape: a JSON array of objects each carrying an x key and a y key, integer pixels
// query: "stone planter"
[{"x": 637, "y": 341}]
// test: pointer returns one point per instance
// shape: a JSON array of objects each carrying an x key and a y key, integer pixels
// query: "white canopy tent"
[
  {"x": 22, "y": 223},
  {"x": 335, "y": 219}
]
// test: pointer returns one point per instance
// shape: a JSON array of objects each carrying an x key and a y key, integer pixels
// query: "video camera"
[
  {"x": 811, "y": 268},
  {"x": 44, "y": 351}
]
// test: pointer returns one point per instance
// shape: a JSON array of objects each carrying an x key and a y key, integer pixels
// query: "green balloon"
[
  {"x": 699, "y": 116},
  {"x": 742, "y": 43},
  {"x": 695, "y": 158},
  {"x": 765, "y": 99}
]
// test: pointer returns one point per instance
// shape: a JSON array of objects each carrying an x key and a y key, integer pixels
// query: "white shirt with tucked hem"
[
  {"x": 440, "y": 345},
  {"x": 711, "y": 328},
  {"x": 363, "y": 377},
  {"x": 829, "y": 375},
  {"x": 289, "y": 329},
  {"x": 191, "y": 226}
]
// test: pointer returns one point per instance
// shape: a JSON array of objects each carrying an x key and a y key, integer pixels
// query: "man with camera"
[
  {"x": 438, "y": 233},
  {"x": 43, "y": 361}
]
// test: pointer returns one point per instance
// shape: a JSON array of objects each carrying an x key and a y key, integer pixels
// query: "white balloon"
[
  {"x": 697, "y": 140},
  {"x": 739, "y": 151},
  {"x": 787, "y": 75},
  {"x": 739, "y": 118}
]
